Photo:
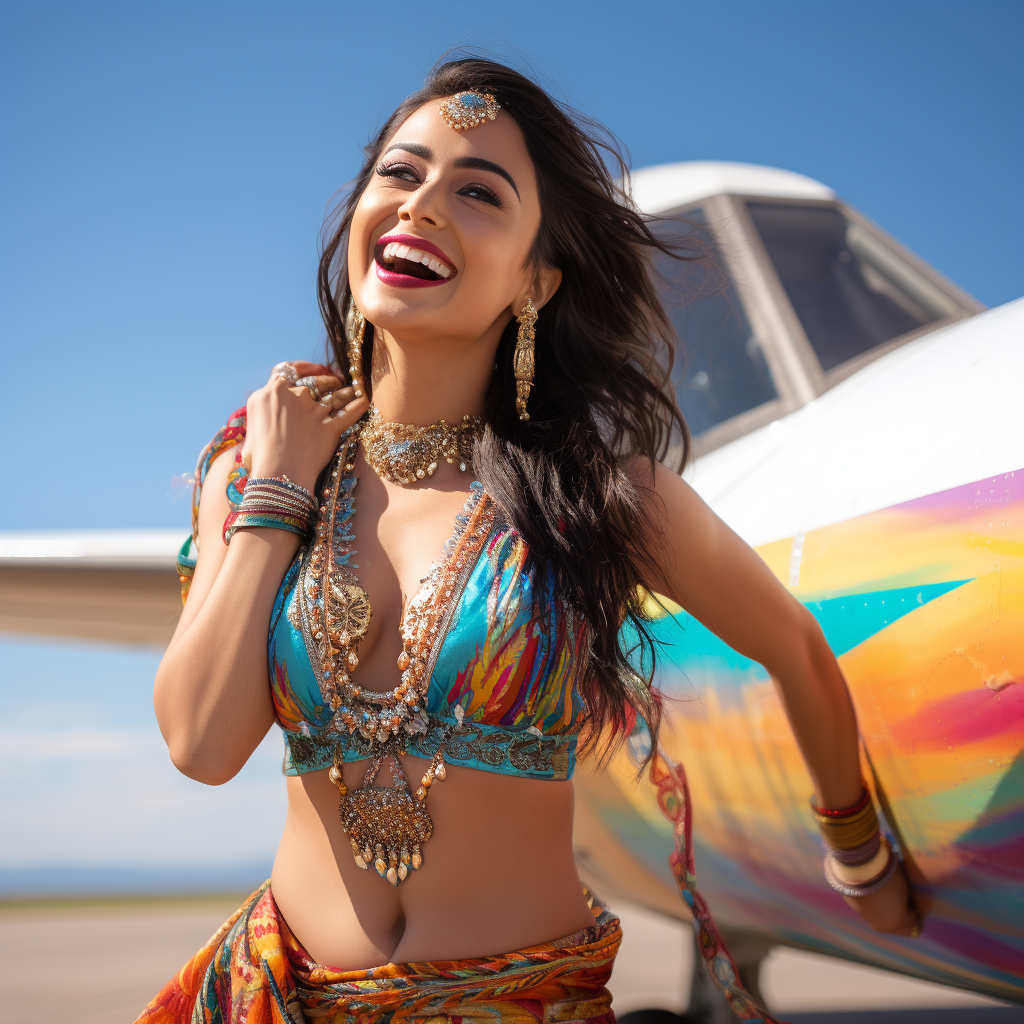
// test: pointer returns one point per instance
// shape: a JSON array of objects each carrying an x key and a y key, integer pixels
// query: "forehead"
[{"x": 500, "y": 141}]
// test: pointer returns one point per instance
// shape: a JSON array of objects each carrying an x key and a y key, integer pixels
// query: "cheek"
[
  {"x": 359, "y": 238},
  {"x": 495, "y": 258},
  {"x": 375, "y": 213}
]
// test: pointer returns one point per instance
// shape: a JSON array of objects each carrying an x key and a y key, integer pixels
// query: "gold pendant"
[{"x": 387, "y": 825}]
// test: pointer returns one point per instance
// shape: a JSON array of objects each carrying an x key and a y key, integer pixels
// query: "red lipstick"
[
  {"x": 402, "y": 273},
  {"x": 418, "y": 243}
]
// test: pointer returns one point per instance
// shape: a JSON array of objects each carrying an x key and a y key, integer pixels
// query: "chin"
[{"x": 381, "y": 303}]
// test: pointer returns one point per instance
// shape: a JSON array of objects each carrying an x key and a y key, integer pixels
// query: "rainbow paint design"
[{"x": 923, "y": 604}]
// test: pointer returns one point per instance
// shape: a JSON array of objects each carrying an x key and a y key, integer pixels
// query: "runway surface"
[{"x": 100, "y": 963}]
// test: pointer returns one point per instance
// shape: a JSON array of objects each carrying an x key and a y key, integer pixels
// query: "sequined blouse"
[{"x": 505, "y": 669}]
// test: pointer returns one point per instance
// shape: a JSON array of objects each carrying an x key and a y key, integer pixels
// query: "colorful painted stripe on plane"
[{"x": 923, "y": 604}]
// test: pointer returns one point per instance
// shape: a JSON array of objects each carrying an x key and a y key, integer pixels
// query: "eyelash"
[{"x": 485, "y": 194}]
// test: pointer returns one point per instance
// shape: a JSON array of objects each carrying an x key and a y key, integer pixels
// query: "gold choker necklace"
[{"x": 404, "y": 454}]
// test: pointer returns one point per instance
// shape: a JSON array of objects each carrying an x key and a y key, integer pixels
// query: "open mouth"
[{"x": 407, "y": 261}]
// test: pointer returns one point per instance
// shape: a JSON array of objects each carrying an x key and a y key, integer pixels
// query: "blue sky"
[{"x": 164, "y": 172}]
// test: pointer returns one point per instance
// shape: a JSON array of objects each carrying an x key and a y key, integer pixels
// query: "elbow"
[
  {"x": 803, "y": 651},
  {"x": 193, "y": 762},
  {"x": 193, "y": 751},
  {"x": 203, "y": 770},
  {"x": 813, "y": 639}
]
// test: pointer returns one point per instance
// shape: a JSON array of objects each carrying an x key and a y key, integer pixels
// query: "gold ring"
[{"x": 915, "y": 931}]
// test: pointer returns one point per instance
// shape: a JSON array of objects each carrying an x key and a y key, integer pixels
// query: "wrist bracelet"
[
  {"x": 275, "y": 503},
  {"x": 864, "y": 873},
  {"x": 867, "y": 888},
  {"x": 849, "y": 828},
  {"x": 859, "y": 858},
  {"x": 282, "y": 483}
]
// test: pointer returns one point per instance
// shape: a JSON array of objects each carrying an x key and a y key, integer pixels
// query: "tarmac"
[{"x": 101, "y": 962}]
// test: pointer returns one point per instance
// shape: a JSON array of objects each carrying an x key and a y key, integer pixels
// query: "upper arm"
[
  {"x": 213, "y": 510},
  {"x": 719, "y": 579}
]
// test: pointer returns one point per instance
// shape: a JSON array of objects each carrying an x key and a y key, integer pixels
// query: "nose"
[{"x": 423, "y": 206}]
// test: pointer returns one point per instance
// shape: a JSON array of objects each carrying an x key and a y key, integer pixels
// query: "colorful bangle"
[
  {"x": 267, "y": 520},
  {"x": 864, "y": 873},
  {"x": 280, "y": 484},
  {"x": 859, "y": 806},
  {"x": 859, "y": 854},
  {"x": 867, "y": 888},
  {"x": 850, "y": 828},
  {"x": 860, "y": 860},
  {"x": 275, "y": 503}
]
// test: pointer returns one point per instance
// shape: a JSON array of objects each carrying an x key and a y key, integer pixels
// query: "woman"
[{"x": 488, "y": 287}]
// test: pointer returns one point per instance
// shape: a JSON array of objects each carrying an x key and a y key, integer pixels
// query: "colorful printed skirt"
[{"x": 254, "y": 971}]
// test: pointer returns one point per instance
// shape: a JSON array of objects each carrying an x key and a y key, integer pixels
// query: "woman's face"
[{"x": 466, "y": 201}]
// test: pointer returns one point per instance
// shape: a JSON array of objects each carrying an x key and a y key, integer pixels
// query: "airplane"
[{"x": 856, "y": 420}]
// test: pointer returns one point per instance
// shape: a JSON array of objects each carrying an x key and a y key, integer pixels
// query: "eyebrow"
[{"x": 474, "y": 163}]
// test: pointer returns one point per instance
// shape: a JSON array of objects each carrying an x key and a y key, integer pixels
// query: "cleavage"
[{"x": 399, "y": 534}]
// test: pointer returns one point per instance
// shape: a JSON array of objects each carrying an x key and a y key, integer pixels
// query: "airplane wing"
[{"x": 116, "y": 587}]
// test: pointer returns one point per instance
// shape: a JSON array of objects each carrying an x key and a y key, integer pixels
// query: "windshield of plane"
[
  {"x": 720, "y": 370},
  {"x": 851, "y": 291}
]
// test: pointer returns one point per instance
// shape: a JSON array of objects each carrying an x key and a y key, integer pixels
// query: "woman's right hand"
[{"x": 290, "y": 434}]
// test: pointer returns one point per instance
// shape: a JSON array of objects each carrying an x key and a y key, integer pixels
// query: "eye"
[
  {"x": 483, "y": 193},
  {"x": 398, "y": 170}
]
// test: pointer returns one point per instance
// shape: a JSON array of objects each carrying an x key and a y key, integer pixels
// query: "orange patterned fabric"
[{"x": 254, "y": 971}]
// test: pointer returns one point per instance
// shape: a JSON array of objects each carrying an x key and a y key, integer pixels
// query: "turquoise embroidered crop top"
[{"x": 505, "y": 669}]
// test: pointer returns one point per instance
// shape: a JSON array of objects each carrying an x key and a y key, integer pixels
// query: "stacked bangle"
[
  {"x": 274, "y": 502},
  {"x": 860, "y": 860}
]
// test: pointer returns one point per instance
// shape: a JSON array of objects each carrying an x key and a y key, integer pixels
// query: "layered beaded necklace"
[{"x": 386, "y": 826}]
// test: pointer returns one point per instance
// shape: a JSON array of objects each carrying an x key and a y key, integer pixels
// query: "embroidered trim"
[
  {"x": 669, "y": 779},
  {"x": 489, "y": 747}
]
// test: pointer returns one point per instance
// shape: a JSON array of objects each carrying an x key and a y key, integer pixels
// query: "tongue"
[{"x": 400, "y": 266}]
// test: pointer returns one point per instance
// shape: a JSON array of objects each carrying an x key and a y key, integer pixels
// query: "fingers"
[
  {"x": 293, "y": 369},
  {"x": 911, "y": 928},
  {"x": 347, "y": 414},
  {"x": 305, "y": 369},
  {"x": 317, "y": 386},
  {"x": 337, "y": 399}
]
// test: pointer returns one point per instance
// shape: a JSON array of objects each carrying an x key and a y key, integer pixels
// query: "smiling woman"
[{"x": 488, "y": 287}]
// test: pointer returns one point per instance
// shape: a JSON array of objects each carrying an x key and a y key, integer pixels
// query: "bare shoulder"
[
  {"x": 682, "y": 531},
  {"x": 670, "y": 500}
]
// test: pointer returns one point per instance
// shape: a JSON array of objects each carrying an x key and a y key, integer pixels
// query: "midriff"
[{"x": 498, "y": 874}]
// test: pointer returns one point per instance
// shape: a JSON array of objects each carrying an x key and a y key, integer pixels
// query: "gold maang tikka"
[
  {"x": 468, "y": 109},
  {"x": 523, "y": 360}
]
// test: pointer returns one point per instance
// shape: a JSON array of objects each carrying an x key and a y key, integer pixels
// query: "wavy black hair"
[{"x": 602, "y": 393}]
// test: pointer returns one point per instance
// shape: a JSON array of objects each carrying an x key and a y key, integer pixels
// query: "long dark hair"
[{"x": 602, "y": 392}]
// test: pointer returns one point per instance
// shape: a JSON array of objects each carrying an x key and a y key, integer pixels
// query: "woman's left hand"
[{"x": 891, "y": 909}]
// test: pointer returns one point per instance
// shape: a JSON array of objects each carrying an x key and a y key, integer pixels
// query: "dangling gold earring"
[
  {"x": 523, "y": 361},
  {"x": 355, "y": 329}
]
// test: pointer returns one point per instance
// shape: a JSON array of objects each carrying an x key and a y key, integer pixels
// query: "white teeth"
[{"x": 396, "y": 250}]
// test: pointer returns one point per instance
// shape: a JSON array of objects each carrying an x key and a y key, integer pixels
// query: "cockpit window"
[
  {"x": 720, "y": 370},
  {"x": 851, "y": 291}
]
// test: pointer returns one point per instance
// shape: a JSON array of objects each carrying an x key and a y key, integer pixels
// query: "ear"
[{"x": 544, "y": 284}]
